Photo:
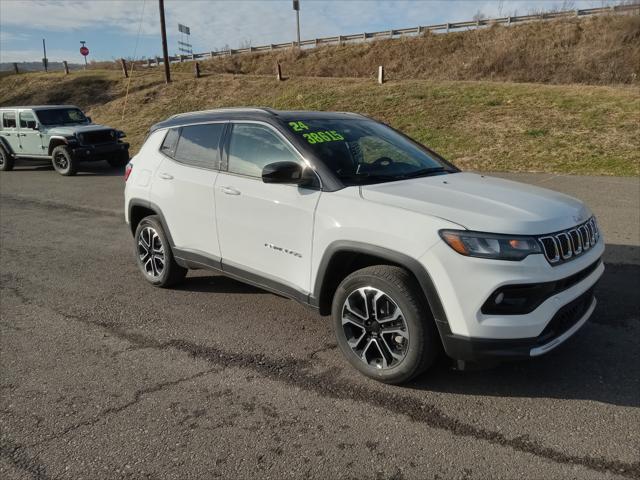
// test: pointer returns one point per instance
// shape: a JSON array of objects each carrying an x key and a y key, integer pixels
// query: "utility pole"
[
  {"x": 296, "y": 7},
  {"x": 44, "y": 60},
  {"x": 165, "y": 51}
]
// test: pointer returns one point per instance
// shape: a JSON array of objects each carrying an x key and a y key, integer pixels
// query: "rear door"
[
  {"x": 184, "y": 183},
  {"x": 265, "y": 229},
  {"x": 10, "y": 130},
  {"x": 30, "y": 137}
]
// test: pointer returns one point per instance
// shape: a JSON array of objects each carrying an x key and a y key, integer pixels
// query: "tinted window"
[
  {"x": 9, "y": 120},
  {"x": 170, "y": 141},
  {"x": 198, "y": 145},
  {"x": 254, "y": 146},
  {"x": 61, "y": 116},
  {"x": 27, "y": 120},
  {"x": 361, "y": 151}
]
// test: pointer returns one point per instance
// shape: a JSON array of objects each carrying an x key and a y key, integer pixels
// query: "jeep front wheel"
[
  {"x": 383, "y": 324},
  {"x": 63, "y": 161},
  {"x": 6, "y": 160}
]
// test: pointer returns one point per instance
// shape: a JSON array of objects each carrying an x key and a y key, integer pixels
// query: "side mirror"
[
  {"x": 89, "y": 119},
  {"x": 289, "y": 173}
]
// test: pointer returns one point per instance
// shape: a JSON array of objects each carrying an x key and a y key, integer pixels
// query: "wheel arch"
[
  {"x": 6, "y": 146},
  {"x": 56, "y": 142},
  {"x": 139, "y": 209},
  {"x": 344, "y": 257}
]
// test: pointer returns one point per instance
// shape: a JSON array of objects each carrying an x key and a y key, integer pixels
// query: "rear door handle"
[
  {"x": 166, "y": 176},
  {"x": 230, "y": 191}
]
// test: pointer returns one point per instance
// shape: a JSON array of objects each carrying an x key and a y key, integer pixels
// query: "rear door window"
[
  {"x": 9, "y": 120},
  {"x": 199, "y": 145}
]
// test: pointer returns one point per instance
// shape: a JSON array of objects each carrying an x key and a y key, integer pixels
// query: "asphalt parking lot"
[{"x": 104, "y": 376}]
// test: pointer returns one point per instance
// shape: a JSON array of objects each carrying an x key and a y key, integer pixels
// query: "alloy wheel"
[
  {"x": 375, "y": 328},
  {"x": 61, "y": 161},
  {"x": 151, "y": 252}
]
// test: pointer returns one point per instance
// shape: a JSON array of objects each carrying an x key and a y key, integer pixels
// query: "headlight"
[{"x": 489, "y": 245}]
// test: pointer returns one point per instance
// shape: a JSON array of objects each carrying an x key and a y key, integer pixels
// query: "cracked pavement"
[{"x": 103, "y": 376}]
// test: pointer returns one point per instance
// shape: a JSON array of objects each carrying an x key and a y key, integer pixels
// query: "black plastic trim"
[
  {"x": 474, "y": 349},
  {"x": 421, "y": 274},
  {"x": 534, "y": 293}
]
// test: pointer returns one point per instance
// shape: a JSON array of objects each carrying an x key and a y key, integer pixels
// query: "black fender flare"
[
  {"x": 392, "y": 256},
  {"x": 156, "y": 211},
  {"x": 6, "y": 146}
]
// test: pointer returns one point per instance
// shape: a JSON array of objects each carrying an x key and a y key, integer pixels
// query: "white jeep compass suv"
[{"x": 408, "y": 254}]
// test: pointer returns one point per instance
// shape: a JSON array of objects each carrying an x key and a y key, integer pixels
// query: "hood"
[
  {"x": 481, "y": 203},
  {"x": 73, "y": 129}
]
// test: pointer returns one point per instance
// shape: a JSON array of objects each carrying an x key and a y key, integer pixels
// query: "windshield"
[
  {"x": 61, "y": 116},
  {"x": 361, "y": 151}
]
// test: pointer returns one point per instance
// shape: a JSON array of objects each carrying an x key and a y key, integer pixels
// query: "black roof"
[{"x": 249, "y": 113}]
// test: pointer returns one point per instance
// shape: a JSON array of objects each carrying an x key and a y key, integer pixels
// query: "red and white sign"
[{"x": 84, "y": 51}]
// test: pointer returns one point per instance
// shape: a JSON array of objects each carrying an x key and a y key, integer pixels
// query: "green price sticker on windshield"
[{"x": 321, "y": 137}]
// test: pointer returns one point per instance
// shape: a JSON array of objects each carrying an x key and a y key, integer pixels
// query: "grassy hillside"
[
  {"x": 478, "y": 125},
  {"x": 590, "y": 50}
]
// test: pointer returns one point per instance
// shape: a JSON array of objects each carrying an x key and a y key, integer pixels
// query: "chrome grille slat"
[{"x": 563, "y": 246}]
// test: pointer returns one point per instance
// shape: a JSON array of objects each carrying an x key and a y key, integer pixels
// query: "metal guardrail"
[{"x": 398, "y": 33}]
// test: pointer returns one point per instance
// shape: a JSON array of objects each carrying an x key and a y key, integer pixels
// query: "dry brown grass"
[
  {"x": 597, "y": 50},
  {"x": 490, "y": 126}
]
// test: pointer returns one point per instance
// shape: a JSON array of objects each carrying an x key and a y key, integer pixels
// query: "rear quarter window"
[{"x": 168, "y": 146}]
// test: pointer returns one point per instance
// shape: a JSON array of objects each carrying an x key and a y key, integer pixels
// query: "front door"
[
  {"x": 264, "y": 229},
  {"x": 184, "y": 183},
  {"x": 30, "y": 137}
]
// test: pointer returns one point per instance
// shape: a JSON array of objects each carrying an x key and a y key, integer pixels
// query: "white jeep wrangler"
[{"x": 409, "y": 255}]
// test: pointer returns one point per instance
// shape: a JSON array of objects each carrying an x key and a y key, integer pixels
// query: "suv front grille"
[
  {"x": 99, "y": 136},
  {"x": 568, "y": 244}
]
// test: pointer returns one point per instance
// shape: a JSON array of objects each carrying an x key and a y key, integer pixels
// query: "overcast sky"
[{"x": 110, "y": 27}]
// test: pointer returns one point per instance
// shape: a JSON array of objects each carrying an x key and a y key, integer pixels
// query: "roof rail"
[{"x": 225, "y": 109}]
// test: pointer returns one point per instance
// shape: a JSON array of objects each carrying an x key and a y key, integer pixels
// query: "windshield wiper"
[{"x": 425, "y": 172}]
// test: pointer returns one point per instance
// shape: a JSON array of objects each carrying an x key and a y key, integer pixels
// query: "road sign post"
[{"x": 84, "y": 51}]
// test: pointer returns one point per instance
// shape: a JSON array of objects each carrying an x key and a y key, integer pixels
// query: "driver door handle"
[
  {"x": 230, "y": 191},
  {"x": 166, "y": 176}
]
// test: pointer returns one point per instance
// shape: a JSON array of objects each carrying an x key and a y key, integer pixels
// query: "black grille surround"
[
  {"x": 521, "y": 299},
  {"x": 564, "y": 246},
  {"x": 98, "y": 137}
]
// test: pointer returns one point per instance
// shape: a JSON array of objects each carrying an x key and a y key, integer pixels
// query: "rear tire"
[
  {"x": 154, "y": 256},
  {"x": 6, "y": 160},
  {"x": 383, "y": 324},
  {"x": 63, "y": 161}
]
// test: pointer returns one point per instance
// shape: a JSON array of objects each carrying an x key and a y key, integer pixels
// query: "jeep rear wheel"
[
  {"x": 63, "y": 161},
  {"x": 383, "y": 324},
  {"x": 6, "y": 160}
]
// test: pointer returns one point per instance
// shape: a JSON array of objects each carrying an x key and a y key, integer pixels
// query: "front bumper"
[
  {"x": 464, "y": 285},
  {"x": 565, "y": 323},
  {"x": 99, "y": 152}
]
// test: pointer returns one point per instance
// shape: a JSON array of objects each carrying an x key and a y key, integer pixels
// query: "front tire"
[
  {"x": 383, "y": 324},
  {"x": 63, "y": 161},
  {"x": 154, "y": 256},
  {"x": 6, "y": 160}
]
